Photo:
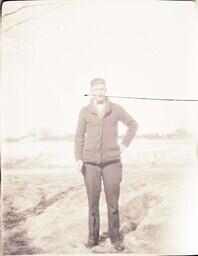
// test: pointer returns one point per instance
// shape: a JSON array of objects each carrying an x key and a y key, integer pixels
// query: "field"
[{"x": 45, "y": 204}]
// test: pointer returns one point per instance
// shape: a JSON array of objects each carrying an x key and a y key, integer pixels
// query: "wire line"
[{"x": 144, "y": 98}]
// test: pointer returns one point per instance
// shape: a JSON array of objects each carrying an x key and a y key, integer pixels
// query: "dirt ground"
[{"x": 47, "y": 214}]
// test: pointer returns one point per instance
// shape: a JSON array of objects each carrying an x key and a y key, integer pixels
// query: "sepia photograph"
[{"x": 99, "y": 127}]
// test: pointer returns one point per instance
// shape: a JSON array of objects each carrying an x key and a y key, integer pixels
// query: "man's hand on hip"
[{"x": 78, "y": 165}]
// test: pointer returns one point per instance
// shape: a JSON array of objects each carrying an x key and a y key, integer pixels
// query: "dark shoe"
[
  {"x": 91, "y": 243},
  {"x": 118, "y": 245}
]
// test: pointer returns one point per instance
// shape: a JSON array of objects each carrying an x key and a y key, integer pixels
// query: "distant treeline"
[
  {"x": 46, "y": 136},
  {"x": 177, "y": 134}
]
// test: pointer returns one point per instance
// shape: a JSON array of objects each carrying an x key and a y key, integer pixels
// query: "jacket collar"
[{"x": 92, "y": 108}]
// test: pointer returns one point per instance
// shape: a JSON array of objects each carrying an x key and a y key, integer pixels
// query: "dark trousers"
[{"x": 111, "y": 174}]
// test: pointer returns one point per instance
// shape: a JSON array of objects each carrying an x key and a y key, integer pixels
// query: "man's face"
[{"x": 98, "y": 91}]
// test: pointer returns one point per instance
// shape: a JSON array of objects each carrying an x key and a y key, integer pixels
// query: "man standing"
[{"x": 98, "y": 155}]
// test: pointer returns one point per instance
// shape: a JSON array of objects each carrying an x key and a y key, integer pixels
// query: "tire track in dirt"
[{"x": 12, "y": 218}]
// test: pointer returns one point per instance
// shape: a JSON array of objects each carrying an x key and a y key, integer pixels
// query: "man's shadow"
[{"x": 132, "y": 213}]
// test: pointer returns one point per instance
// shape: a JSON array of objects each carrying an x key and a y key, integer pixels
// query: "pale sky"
[{"x": 141, "y": 48}]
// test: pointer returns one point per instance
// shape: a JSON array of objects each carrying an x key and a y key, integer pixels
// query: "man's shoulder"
[
  {"x": 116, "y": 106},
  {"x": 84, "y": 109}
]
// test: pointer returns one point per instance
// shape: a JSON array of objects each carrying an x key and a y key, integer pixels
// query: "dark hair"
[{"x": 97, "y": 81}]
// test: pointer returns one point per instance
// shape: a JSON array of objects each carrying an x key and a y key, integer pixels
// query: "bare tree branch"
[
  {"x": 21, "y": 22},
  {"x": 17, "y": 10},
  {"x": 34, "y": 17},
  {"x": 29, "y": 6}
]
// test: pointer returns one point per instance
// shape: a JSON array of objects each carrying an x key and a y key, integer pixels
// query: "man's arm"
[
  {"x": 130, "y": 122},
  {"x": 80, "y": 136}
]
